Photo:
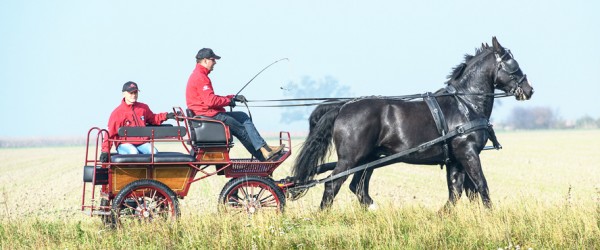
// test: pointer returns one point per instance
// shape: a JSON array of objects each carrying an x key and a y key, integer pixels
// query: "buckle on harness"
[{"x": 460, "y": 129}]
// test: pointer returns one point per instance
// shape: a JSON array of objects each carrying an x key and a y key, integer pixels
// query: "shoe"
[
  {"x": 274, "y": 151},
  {"x": 277, "y": 148}
]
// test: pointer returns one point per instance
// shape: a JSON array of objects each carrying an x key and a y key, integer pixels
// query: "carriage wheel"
[
  {"x": 251, "y": 194},
  {"x": 144, "y": 201}
]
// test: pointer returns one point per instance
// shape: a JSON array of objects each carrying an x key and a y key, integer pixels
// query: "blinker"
[{"x": 510, "y": 66}]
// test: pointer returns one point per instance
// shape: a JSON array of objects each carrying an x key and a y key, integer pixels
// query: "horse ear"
[{"x": 496, "y": 44}]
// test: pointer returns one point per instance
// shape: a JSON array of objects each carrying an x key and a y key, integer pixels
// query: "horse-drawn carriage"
[
  {"x": 449, "y": 127},
  {"x": 147, "y": 186}
]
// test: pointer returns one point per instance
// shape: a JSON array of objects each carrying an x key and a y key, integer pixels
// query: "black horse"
[{"x": 366, "y": 129}]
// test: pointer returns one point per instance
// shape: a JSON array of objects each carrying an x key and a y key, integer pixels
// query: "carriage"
[
  {"x": 449, "y": 127},
  {"x": 146, "y": 187}
]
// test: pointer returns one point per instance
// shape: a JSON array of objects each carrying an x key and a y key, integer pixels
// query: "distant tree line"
[
  {"x": 544, "y": 118},
  {"x": 519, "y": 119},
  {"x": 31, "y": 142}
]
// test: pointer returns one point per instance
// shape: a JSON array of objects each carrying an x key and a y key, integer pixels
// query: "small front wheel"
[
  {"x": 251, "y": 194},
  {"x": 144, "y": 201}
]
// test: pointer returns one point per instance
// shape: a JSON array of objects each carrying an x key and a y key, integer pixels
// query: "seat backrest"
[
  {"x": 206, "y": 131},
  {"x": 162, "y": 131}
]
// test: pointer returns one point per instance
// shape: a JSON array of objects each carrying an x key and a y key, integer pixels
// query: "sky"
[{"x": 63, "y": 63}]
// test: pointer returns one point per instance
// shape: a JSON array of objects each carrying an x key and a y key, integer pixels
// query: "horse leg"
[
  {"x": 472, "y": 167},
  {"x": 470, "y": 190},
  {"x": 360, "y": 187},
  {"x": 326, "y": 167},
  {"x": 455, "y": 177},
  {"x": 333, "y": 187}
]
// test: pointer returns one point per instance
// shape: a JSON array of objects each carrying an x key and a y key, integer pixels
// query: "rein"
[{"x": 339, "y": 100}]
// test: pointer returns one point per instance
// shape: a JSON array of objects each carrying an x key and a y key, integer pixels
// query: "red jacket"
[
  {"x": 134, "y": 115},
  {"x": 200, "y": 96}
]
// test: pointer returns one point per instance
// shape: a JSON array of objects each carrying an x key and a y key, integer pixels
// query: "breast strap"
[{"x": 440, "y": 122}]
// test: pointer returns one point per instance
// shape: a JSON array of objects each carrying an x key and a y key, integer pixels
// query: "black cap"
[
  {"x": 206, "y": 53},
  {"x": 130, "y": 86}
]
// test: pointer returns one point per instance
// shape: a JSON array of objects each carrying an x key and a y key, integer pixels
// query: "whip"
[{"x": 259, "y": 74}]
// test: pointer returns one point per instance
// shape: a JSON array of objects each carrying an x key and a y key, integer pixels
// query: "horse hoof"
[{"x": 373, "y": 207}]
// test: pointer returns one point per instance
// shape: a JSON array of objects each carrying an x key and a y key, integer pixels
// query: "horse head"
[{"x": 509, "y": 77}]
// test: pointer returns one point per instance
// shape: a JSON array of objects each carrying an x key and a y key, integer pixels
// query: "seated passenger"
[
  {"x": 131, "y": 113},
  {"x": 202, "y": 100}
]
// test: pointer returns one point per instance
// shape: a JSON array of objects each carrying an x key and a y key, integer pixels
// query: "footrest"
[{"x": 243, "y": 167}]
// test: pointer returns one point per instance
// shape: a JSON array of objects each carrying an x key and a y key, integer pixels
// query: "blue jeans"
[
  {"x": 130, "y": 149},
  {"x": 242, "y": 128}
]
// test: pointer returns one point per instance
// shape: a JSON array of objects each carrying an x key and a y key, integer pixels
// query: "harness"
[
  {"x": 440, "y": 123},
  {"x": 442, "y": 126},
  {"x": 468, "y": 127}
]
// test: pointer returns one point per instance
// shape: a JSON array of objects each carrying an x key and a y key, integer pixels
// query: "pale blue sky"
[{"x": 62, "y": 63}]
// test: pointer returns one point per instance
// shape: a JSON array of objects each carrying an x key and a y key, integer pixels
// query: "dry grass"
[{"x": 545, "y": 186}]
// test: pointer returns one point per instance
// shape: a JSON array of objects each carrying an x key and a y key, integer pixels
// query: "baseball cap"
[
  {"x": 206, "y": 53},
  {"x": 130, "y": 86}
]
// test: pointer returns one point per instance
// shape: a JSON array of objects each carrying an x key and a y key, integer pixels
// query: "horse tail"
[
  {"x": 321, "y": 110},
  {"x": 316, "y": 146}
]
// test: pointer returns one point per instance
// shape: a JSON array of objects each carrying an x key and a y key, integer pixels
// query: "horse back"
[{"x": 387, "y": 126}]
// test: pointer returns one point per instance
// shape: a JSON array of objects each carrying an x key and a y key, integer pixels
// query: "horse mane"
[{"x": 458, "y": 71}]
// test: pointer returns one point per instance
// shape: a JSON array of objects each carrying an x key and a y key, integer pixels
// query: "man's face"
[
  {"x": 130, "y": 97},
  {"x": 210, "y": 63}
]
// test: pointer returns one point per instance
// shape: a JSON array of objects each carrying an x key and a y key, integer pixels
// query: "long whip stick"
[{"x": 259, "y": 74}]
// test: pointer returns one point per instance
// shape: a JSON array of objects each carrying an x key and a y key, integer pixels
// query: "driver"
[
  {"x": 131, "y": 113},
  {"x": 203, "y": 101}
]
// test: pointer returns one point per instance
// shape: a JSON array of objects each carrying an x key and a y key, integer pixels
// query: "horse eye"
[{"x": 511, "y": 66}]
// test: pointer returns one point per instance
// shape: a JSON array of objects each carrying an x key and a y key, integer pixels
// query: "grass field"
[{"x": 545, "y": 186}]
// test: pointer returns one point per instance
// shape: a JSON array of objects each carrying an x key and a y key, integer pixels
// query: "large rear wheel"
[
  {"x": 251, "y": 194},
  {"x": 144, "y": 201}
]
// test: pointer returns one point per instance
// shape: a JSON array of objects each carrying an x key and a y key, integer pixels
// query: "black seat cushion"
[
  {"x": 137, "y": 158},
  {"x": 173, "y": 157},
  {"x": 159, "y": 157}
]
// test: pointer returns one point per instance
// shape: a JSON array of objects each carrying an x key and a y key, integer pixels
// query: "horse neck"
[{"x": 478, "y": 78}]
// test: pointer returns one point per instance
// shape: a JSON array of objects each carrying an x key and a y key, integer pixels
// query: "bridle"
[{"x": 511, "y": 67}]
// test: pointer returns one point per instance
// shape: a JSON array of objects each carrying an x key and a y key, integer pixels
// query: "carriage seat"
[
  {"x": 208, "y": 132},
  {"x": 166, "y": 131}
]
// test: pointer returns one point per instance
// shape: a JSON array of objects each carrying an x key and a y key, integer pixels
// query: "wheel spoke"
[
  {"x": 270, "y": 203},
  {"x": 234, "y": 201},
  {"x": 260, "y": 193},
  {"x": 244, "y": 192},
  {"x": 153, "y": 195},
  {"x": 161, "y": 202},
  {"x": 268, "y": 200},
  {"x": 134, "y": 197}
]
